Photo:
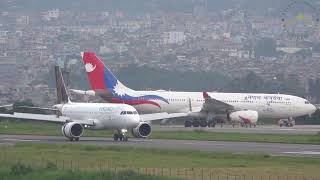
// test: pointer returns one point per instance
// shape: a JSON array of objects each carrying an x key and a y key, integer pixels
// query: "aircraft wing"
[
  {"x": 41, "y": 108},
  {"x": 8, "y": 105},
  {"x": 159, "y": 116},
  {"x": 214, "y": 105},
  {"x": 48, "y": 118}
]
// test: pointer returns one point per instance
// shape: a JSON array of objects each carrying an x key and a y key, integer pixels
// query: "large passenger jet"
[
  {"x": 96, "y": 116},
  {"x": 237, "y": 107}
]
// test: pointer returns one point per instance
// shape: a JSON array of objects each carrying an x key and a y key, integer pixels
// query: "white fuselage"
[
  {"x": 104, "y": 115},
  {"x": 267, "y": 105}
]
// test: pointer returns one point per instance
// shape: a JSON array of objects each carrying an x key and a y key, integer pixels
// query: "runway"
[
  {"x": 211, "y": 146},
  {"x": 263, "y": 129}
]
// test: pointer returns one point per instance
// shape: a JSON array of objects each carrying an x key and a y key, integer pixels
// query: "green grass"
[
  {"x": 25, "y": 172},
  {"x": 43, "y": 128},
  {"x": 100, "y": 158},
  {"x": 219, "y": 136}
]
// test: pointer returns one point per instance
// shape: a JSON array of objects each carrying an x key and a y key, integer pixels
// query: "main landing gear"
[
  {"x": 120, "y": 135},
  {"x": 246, "y": 125},
  {"x": 74, "y": 139},
  {"x": 202, "y": 123}
]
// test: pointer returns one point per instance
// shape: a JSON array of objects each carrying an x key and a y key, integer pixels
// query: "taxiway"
[{"x": 211, "y": 146}]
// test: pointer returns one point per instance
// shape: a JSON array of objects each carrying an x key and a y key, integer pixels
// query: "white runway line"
[
  {"x": 304, "y": 153},
  {"x": 284, "y": 129},
  {"x": 21, "y": 140}
]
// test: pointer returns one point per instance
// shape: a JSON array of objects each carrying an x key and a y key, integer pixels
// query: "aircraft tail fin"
[
  {"x": 206, "y": 95},
  {"x": 62, "y": 94},
  {"x": 99, "y": 75}
]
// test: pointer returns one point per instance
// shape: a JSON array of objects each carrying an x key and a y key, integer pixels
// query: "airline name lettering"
[
  {"x": 268, "y": 98},
  {"x": 106, "y": 109}
]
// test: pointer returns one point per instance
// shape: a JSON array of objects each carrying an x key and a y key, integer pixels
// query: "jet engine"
[
  {"x": 143, "y": 130},
  {"x": 247, "y": 117},
  {"x": 72, "y": 130}
]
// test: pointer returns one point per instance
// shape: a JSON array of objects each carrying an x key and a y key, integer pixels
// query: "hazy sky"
[{"x": 135, "y": 5}]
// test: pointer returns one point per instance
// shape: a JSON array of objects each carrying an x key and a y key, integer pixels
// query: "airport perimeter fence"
[{"x": 179, "y": 173}]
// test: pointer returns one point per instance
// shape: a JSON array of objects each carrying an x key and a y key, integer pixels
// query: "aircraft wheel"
[
  {"x": 210, "y": 123},
  {"x": 76, "y": 139},
  {"x": 121, "y": 137},
  {"x": 187, "y": 124},
  {"x": 115, "y": 137},
  {"x": 125, "y": 138},
  {"x": 196, "y": 123},
  {"x": 203, "y": 123}
]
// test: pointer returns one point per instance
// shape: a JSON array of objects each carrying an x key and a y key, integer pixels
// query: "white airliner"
[
  {"x": 237, "y": 107},
  {"x": 97, "y": 116}
]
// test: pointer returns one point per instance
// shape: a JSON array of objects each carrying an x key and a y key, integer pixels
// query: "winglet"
[{"x": 206, "y": 95}]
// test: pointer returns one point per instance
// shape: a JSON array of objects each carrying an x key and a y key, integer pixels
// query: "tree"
[{"x": 266, "y": 47}]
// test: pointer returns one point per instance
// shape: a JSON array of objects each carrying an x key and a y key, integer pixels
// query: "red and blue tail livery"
[{"x": 101, "y": 79}]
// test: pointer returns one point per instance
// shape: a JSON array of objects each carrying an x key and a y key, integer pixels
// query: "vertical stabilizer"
[
  {"x": 99, "y": 75},
  {"x": 62, "y": 94}
]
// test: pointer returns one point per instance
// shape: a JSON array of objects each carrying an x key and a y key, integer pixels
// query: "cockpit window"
[
  {"x": 123, "y": 113},
  {"x": 129, "y": 112},
  {"x": 307, "y": 102},
  {"x": 135, "y": 112}
]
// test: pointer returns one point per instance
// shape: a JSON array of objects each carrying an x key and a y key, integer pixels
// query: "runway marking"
[
  {"x": 22, "y": 140},
  {"x": 284, "y": 129},
  {"x": 203, "y": 144},
  {"x": 304, "y": 152}
]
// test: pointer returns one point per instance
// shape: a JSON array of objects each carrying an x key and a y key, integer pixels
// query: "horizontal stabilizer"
[{"x": 88, "y": 92}]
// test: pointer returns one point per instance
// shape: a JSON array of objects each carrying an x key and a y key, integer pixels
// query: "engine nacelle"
[
  {"x": 143, "y": 130},
  {"x": 247, "y": 117},
  {"x": 72, "y": 130}
]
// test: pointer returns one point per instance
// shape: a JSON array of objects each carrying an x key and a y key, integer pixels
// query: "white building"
[
  {"x": 51, "y": 14},
  {"x": 174, "y": 37},
  {"x": 22, "y": 20},
  {"x": 105, "y": 50}
]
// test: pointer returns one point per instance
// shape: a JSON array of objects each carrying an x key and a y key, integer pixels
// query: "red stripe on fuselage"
[
  {"x": 245, "y": 120},
  {"x": 135, "y": 102}
]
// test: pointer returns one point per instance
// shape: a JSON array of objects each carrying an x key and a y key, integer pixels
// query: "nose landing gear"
[{"x": 120, "y": 135}]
